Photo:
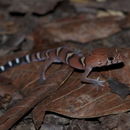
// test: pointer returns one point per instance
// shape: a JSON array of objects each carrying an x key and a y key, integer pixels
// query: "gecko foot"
[
  {"x": 96, "y": 82},
  {"x": 40, "y": 81},
  {"x": 99, "y": 82}
]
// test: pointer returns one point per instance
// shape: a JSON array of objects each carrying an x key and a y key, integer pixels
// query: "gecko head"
[
  {"x": 113, "y": 57},
  {"x": 105, "y": 57}
]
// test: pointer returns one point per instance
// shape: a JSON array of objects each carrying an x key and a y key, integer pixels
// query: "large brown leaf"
[
  {"x": 26, "y": 77},
  {"x": 79, "y": 100},
  {"x": 80, "y": 29},
  {"x": 73, "y": 98}
]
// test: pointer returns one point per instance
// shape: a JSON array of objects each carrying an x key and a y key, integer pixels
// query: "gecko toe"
[{"x": 100, "y": 82}]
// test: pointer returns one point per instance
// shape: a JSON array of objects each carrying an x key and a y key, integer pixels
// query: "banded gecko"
[{"x": 98, "y": 58}]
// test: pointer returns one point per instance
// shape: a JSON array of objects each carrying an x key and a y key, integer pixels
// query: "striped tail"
[
  {"x": 56, "y": 55},
  {"x": 22, "y": 60}
]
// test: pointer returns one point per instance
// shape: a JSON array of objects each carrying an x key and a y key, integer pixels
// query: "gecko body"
[{"x": 98, "y": 58}]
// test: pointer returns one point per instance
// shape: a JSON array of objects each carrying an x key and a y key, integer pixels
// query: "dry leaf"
[
  {"x": 73, "y": 98},
  {"x": 22, "y": 6},
  {"x": 80, "y": 29},
  {"x": 34, "y": 97},
  {"x": 104, "y": 4},
  {"x": 79, "y": 100}
]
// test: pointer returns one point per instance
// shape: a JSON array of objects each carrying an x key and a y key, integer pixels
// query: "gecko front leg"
[{"x": 96, "y": 82}]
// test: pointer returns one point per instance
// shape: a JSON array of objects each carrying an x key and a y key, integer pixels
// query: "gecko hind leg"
[{"x": 47, "y": 64}]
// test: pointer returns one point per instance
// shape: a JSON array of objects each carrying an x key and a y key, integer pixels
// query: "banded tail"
[
  {"x": 21, "y": 60},
  {"x": 60, "y": 54}
]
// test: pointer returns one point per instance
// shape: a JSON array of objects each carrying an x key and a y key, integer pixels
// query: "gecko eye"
[{"x": 110, "y": 58}]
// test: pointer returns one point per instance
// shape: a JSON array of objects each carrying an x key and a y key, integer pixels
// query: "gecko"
[{"x": 97, "y": 58}]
